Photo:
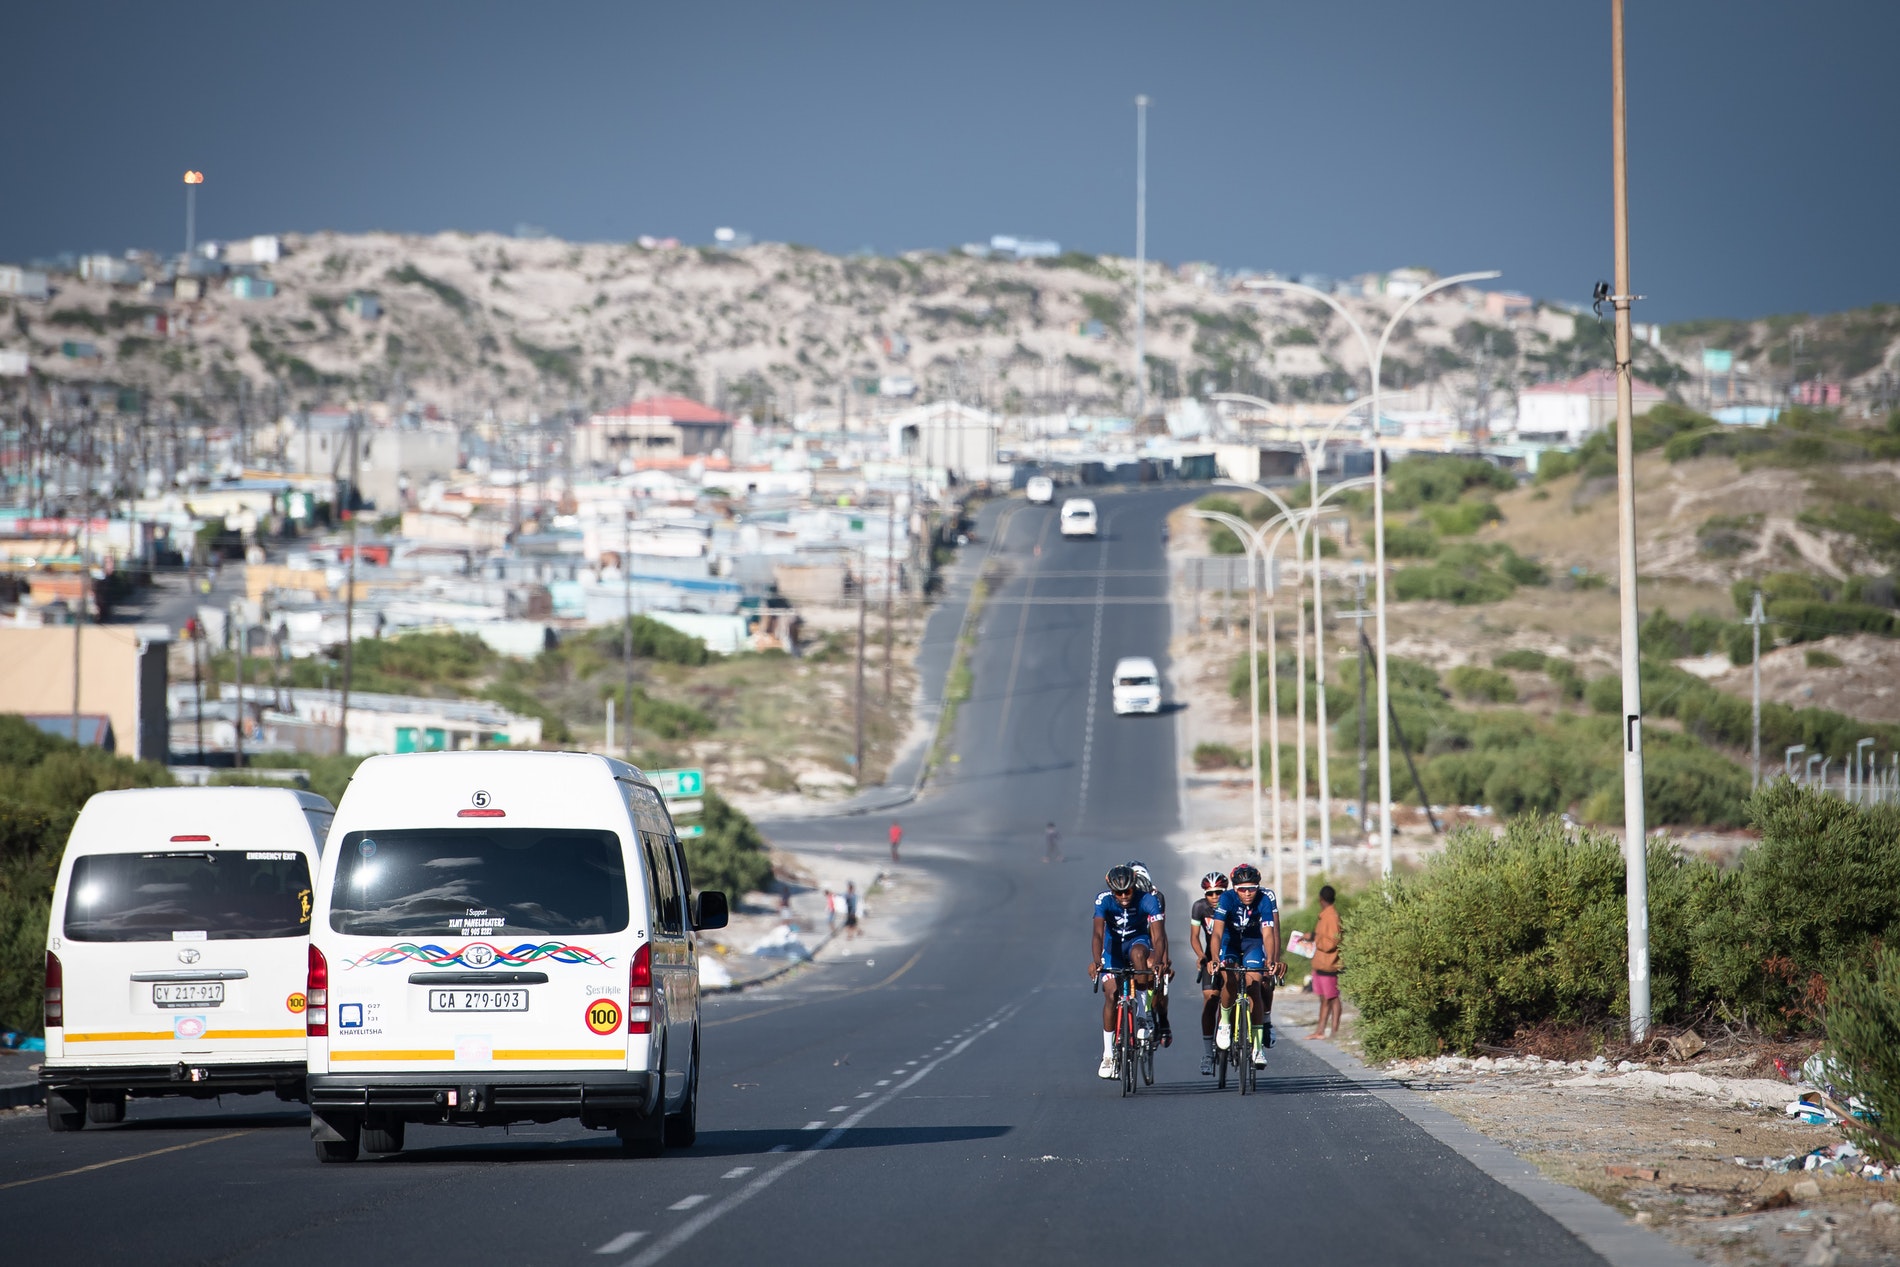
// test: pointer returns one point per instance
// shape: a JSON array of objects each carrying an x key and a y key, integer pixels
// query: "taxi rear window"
[
  {"x": 226, "y": 894},
  {"x": 479, "y": 883}
]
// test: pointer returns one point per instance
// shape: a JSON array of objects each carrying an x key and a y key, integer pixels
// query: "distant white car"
[
  {"x": 1041, "y": 490},
  {"x": 1136, "y": 686},
  {"x": 1078, "y": 517}
]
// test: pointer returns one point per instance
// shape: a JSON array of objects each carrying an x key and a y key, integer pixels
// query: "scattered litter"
[
  {"x": 1835, "y": 1159},
  {"x": 1631, "y": 1172},
  {"x": 713, "y": 973},
  {"x": 781, "y": 943}
]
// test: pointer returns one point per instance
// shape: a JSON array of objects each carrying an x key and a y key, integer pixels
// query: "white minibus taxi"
[
  {"x": 1040, "y": 490},
  {"x": 504, "y": 937},
  {"x": 175, "y": 951}
]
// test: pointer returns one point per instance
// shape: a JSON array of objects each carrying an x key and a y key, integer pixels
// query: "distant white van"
[
  {"x": 175, "y": 952},
  {"x": 1136, "y": 686},
  {"x": 504, "y": 937},
  {"x": 1040, "y": 490},
  {"x": 1078, "y": 517}
]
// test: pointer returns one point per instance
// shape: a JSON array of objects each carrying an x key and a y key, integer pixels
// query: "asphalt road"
[{"x": 935, "y": 1105}]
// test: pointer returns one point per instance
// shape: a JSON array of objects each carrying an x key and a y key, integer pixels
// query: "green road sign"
[{"x": 677, "y": 783}]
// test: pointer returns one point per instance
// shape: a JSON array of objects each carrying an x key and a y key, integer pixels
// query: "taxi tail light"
[
  {"x": 316, "y": 1011},
  {"x": 55, "y": 992},
  {"x": 640, "y": 991}
]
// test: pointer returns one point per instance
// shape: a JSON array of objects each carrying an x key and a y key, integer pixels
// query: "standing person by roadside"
[
  {"x": 831, "y": 911},
  {"x": 897, "y": 838},
  {"x": 851, "y": 905},
  {"x": 1050, "y": 851},
  {"x": 1326, "y": 965}
]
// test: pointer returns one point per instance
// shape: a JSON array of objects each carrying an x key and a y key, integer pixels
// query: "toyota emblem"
[{"x": 188, "y": 955}]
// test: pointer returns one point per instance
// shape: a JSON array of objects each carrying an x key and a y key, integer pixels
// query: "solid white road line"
[
  {"x": 620, "y": 1242},
  {"x": 687, "y": 1203},
  {"x": 700, "y": 1222}
]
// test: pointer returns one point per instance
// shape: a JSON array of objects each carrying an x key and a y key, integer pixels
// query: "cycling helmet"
[
  {"x": 1121, "y": 880},
  {"x": 1214, "y": 880},
  {"x": 1143, "y": 881},
  {"x": 1246, "y": 873}
]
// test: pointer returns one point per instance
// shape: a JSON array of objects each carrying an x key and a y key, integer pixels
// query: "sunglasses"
[{"x": 1246, "y": 888}]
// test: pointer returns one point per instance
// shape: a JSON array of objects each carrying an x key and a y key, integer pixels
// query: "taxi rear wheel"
[
  {"x": 106, "y": 1109},
  {"x": 63, "y": 1114},
  {"x": 384, "y": 1137},
  {"x": 682, "y": 1128},
  {"x": 349, "y": 1140},
  {"x": 642, "y": 1136}
]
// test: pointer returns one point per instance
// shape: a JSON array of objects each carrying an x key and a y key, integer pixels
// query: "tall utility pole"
[
  {"x": 626, "y": 635},
  {"x": 1636, "y": 884},
  {"x": 1141, "y": 258},
  {"x": 192, "y": 181},
  {"x": 858, "y": 760},
  {"x": 1757, "y": 618},
  {"x": 349, "y": 601},
  {"x": 1358, "y": 616},
  {"x": 85, "y": 578},
  {"x": 235, "y": 617},
  {"x": 890, "y": 583}
]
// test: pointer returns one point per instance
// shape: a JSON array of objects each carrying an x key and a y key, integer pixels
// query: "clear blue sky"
[{"x": 1338, "y": 136}]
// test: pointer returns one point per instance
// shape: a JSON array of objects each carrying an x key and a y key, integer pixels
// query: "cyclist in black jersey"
[{"x": 1201, "y": 937}]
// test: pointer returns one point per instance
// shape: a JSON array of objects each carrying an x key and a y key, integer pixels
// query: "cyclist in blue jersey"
[
  {"x": 1145, "y": 883},
  {"x": 1130, "y": 932},
  {"x": 1246, "y": 928}
]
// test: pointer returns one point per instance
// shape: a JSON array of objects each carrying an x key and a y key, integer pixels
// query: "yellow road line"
[
  {"x": 767, "y": 1011},
  {"x": 398, "y": 1053},
  {"x": 101, "y": 1165}
]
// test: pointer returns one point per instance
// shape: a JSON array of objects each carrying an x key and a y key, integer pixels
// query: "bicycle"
[
  {"x": 1134, "y": 1048},
  {"x": 1239, "y": 1051}
]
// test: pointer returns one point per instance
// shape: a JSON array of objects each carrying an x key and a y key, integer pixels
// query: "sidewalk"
[{"x": 20, "y": 1078}]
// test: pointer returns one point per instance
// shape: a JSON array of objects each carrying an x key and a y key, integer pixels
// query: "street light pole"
[
  {"x": 1756, "y": 618},
  {"x": 1250, "y": 543},
  {"x": 1636, "y": 885},
  {"x": 1374, "y": 359},
  {"x": 1141, "y": 259},
  {"x": 192, "y": 181}
]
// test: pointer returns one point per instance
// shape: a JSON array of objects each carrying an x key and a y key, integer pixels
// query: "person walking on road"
[
  {"x": 1050, "y": 852},
  {"x": 1326, "y": 965},
  {"x": 851, "y": 905},
  {"x": 831, "y": 911},
  {"x": 897, "y": 838}
]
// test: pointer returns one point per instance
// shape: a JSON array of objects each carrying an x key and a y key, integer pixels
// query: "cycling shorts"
[
  {"x": 1115, "y": 952},
  {"x": 1253, "y": 956}
]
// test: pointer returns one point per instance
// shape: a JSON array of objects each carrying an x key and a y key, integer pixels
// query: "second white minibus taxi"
[
  {"x": 504, "y": 937},
  {"x": 175, "y": 952}
]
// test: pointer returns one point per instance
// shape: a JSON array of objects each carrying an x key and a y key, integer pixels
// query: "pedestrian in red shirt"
[{"x": 897, "y": 838}]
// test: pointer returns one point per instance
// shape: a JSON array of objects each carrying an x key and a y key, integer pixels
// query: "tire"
[
  {"x": 642, "y": 1136},
  {"x": 1243, "y": 1059},
  {"x": 64, "y": 1114},
  {"x": 106, "y": 1111},
  {"x": 1220, "y": 1071},
  {"x": 682, "y": 1128},
  {"x": 344, "y": 1149},
  {"x": 385, "y": 1137},
  {"x": 1147, "y": 1064}
]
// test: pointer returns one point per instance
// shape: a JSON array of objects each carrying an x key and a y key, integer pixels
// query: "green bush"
[
  {"x": 1481, "y": 685},
  {"x": 731, "y": 857},
  {"x": 1554, "y": 464},
  {"x": 1219, "y": 756},
  {"x": 1819, "y": 659},
  {"x": 1420, "y": 481},
  {"x": 1863, "y": 1045},
  {"x": 1410, "y": 541},
  {"x": 1528, "y": 661},
  {"x": 1566, "y": 678},
  {"x": 1463, "y": 518},
  {"x": 655, "y": 640},
  {"x": 1499, "y": 934}
]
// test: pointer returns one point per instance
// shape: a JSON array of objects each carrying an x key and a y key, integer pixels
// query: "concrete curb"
[
  {"x": 1603, "y": 1230},
  {"x": 737, "y": 986}
]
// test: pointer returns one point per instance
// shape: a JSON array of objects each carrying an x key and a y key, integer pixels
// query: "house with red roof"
[
  {"x": 1564, "y": 413},
  {"x": 656, "y": 429}
]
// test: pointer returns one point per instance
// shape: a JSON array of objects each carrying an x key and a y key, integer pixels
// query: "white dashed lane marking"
[
  {"x": 819, "y": 1125},
  {"x": 623, "y": 1241},
  {"x": 779, "y": 1148},
  {"x": 687, "y": 1203},
  {"x": 837, "y": 1108},
  {"x": 865, "y": 1095},
  {"x": 883, "y": 1082},
  {"x": 737, "y": 1172}
]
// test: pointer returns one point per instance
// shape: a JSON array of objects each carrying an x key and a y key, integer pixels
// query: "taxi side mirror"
[{"x": 709, "y": 911}]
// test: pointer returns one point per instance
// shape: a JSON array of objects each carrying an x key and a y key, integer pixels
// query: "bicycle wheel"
[
  {"x": 1243, "y": 1046},
  {"x": 1125, "y": 1048},
  {"x": 1148, "y": 1063}
]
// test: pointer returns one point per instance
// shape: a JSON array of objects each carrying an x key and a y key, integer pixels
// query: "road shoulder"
[{"x": 1606, "y": 1232}]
